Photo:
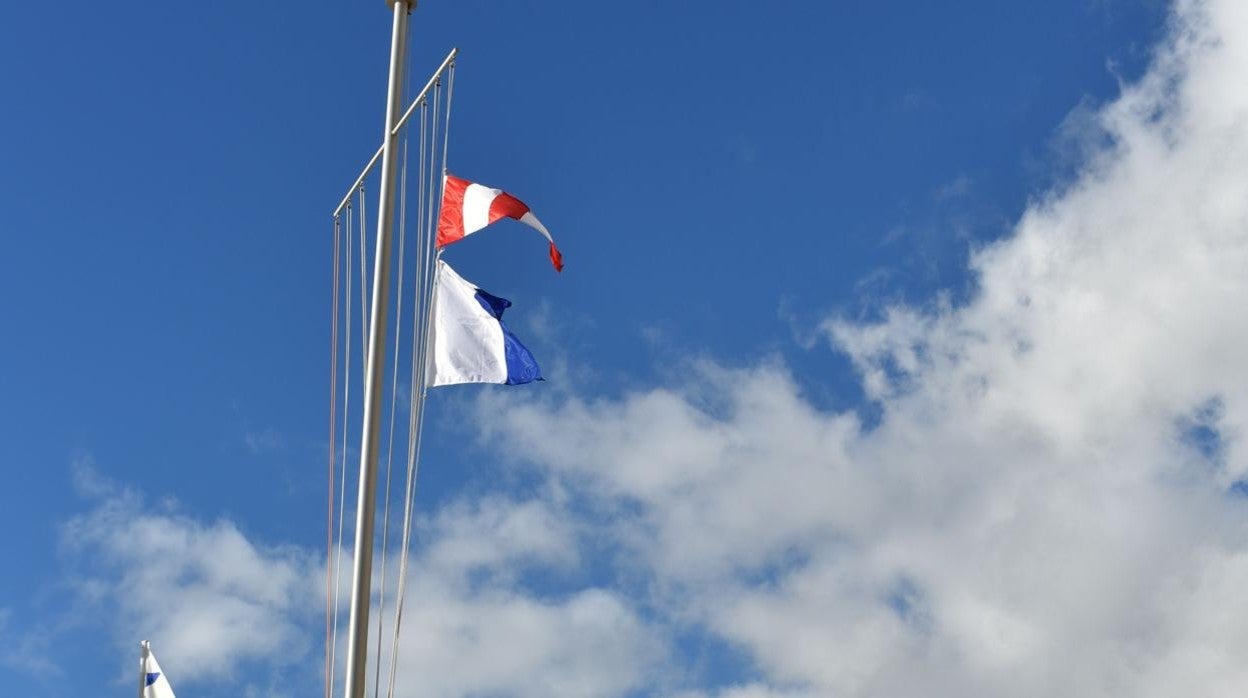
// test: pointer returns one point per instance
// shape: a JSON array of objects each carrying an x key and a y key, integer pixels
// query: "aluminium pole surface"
[
  {"x": 143, "y": 667},
  {"x": 361, "y": 585}
]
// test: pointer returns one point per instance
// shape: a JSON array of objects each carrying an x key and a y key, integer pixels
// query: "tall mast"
[
  {"x": 361, "y": 585},
  {"x": 143, "y": 667}
]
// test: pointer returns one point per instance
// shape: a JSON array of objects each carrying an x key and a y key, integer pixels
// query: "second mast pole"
[{"x": 361, "y": 585}]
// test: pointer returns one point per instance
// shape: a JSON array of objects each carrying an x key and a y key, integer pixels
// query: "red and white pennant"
[{"x": 468, "y": 207}]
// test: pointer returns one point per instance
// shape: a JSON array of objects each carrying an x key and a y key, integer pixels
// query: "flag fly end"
[{"x": 556, "y": 257}]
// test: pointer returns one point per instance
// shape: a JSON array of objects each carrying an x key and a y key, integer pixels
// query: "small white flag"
[{"x": 152, "y": 681}]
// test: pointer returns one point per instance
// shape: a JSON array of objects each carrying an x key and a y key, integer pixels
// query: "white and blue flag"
[
  {"x": 471, "y": 343},
  {"x": 152, "y": 681}
]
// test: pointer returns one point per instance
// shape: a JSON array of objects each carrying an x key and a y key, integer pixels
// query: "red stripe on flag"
[
  {"x": 507, "y": 205},
  {"x": 451, "y": 218}
]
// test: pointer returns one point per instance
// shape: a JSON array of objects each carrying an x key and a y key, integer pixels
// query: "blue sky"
[{"x": 765, "y": 209}]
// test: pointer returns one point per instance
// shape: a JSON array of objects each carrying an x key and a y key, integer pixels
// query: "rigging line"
[
  {"x": 415, "y": 438},
  {"x": 346, "y": 417},
  {"x": 446, "y": 129},
  {"x": 432, "y": 174},
  {"x": 437, "y": 183},
  {"x": 441, "y": 186},
  {"x": 423, "y": 248},
  {"x": 419, "y": 382},
  {"x": 426, "y": 170},
  {"x": 364, "y": 309},
  {"x": 422, "y": 192},
  {"x": 421, "y": 251},
  {"x": 394, "y": 396},
  {"x": 414, "y": 420},
  {"x": 333, "y": 429},
  {"x": 432, "y": 272},
  {"x": 421, "y": 254},
  {"x": 415, "y": 424}
]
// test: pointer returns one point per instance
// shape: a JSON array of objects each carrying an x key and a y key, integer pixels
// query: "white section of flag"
[
  {"x": 477, "y": 200},
  {"x": 157, "y": 686},
  {"x": 467, "y": 342},
  {"x": 531, "y": 220}
]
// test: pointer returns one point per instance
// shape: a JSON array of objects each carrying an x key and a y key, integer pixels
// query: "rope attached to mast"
[
  {"x": 420, "y": 348},
  {"x": 333, "y": 430},
  {"x": 342, "y": 461}
]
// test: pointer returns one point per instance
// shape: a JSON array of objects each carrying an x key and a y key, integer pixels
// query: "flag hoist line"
[{"x": 375, "y": 358}]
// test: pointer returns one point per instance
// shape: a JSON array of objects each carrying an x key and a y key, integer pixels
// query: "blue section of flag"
[
  {"x": 151, "y": 678},
  {"x": 492, "y": 303},
  {"x": 521, "y": 366}
]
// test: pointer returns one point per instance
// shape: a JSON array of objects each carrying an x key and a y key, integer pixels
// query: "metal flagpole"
[
  {"x": 143, "y": 667},
  {"x": 357, "y": 637}
]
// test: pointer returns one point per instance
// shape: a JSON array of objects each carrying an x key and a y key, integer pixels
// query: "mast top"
[{"x": 411, "y": 4}]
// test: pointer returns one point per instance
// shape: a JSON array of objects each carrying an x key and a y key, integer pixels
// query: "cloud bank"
[
  {"x": 225, "y": 610},
  {"x": 214, "y": 602},
  {"x": 1049, "y": 501}
]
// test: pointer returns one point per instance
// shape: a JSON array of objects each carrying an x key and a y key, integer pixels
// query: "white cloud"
[
  {"x": 24, "y": 652},
  {"x": 472, "y": 626},
  {"x": 263, "y": 441},
  {"x": 497, "y": 642},
  {"x": 208, "y": 598},
  {"x": 223, "y": 608}
]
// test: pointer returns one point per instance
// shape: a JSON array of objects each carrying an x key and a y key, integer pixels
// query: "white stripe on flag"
[
  {"x": 531, "y": 220},
  {"x": 477, "y": 200}
]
